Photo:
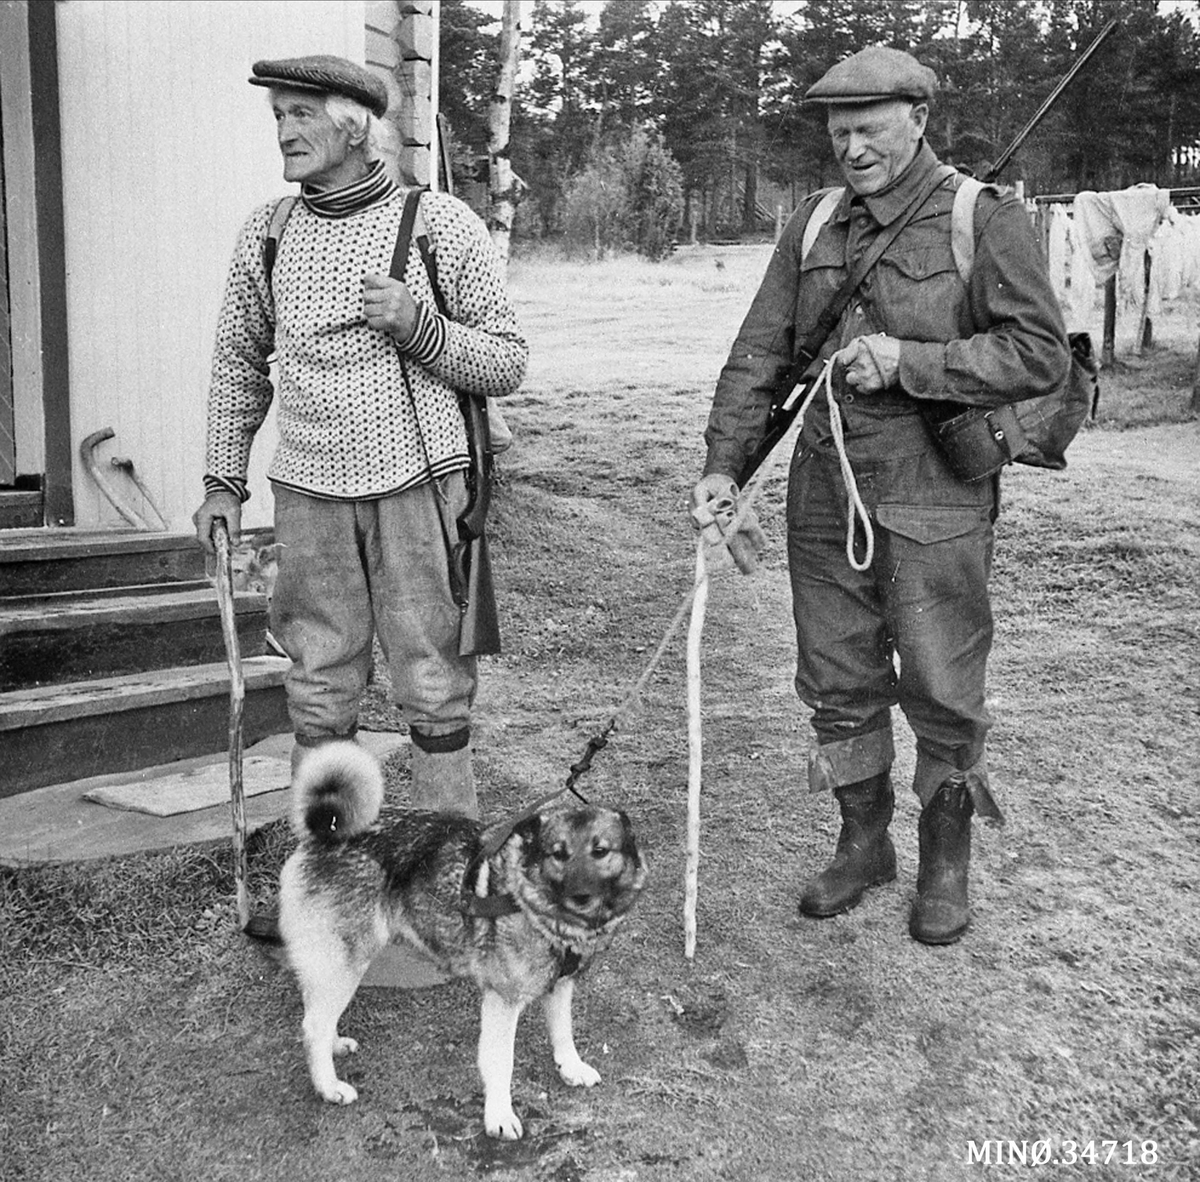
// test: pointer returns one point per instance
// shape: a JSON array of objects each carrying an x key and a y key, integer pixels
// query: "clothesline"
[{"x": 1138, "y": 243}]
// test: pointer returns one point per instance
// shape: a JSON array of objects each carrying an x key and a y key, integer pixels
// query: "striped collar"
[{"x": 341, "y": 203}]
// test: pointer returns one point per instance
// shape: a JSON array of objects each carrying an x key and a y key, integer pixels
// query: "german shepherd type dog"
[{"x": 521, "y": 922}]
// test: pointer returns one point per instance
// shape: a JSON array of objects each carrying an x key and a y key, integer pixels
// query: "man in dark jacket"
[{"x": 915, "y": 628}]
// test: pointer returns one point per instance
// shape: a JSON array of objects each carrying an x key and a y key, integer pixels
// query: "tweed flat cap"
[
  {"x": 325, "y": 73},
  {"x": 873, "y": 75}
]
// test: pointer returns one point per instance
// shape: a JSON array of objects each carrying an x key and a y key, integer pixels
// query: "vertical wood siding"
[{"x": 166, "y": 149}]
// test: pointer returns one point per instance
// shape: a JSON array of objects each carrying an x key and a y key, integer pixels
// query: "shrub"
[
  {"x": 653, "y": 195},
  {"x": 628, "y": 197}
]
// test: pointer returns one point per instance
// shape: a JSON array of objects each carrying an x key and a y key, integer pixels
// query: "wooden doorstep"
[
  {"x": 83, "y": 609},
  {"x": 41, "y": 545},
  {"x": 139, "y": 691}
]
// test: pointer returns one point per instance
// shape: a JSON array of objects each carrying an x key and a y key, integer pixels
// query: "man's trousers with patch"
[{"x": 349, "y": 570}]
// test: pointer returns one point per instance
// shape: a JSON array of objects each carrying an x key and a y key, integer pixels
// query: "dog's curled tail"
[{"x": 336, "y": 792}]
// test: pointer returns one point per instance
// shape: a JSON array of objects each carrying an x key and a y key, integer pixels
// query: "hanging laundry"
[{"x": 1117, "y": 226}]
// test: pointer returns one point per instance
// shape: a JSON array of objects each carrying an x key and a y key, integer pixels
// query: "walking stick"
[
  {"x": 691, "y": 880},
  {"x": 237, "y": 700}
]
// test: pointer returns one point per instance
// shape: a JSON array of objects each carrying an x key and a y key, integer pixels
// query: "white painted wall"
[{"x": 166, "y": 149}]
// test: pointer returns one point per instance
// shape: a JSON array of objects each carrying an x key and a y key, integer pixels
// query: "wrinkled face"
[
  {"x": 875, "y": 143},
  {"x": 315, "y": 150}
]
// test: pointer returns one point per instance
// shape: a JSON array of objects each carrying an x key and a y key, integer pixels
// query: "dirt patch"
[{"x": 143, "y": 1040}]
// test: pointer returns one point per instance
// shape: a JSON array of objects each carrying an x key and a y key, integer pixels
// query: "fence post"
[{"x": 1109, "y": 348}]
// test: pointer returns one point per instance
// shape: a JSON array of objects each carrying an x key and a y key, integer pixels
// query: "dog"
[{"x": 519, "y": 911}]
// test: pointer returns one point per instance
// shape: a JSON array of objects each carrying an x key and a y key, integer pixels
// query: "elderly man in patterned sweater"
[{"x": 368, "y": 470}]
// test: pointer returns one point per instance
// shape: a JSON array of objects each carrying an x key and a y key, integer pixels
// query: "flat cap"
[
  {"x": 325, "y": 73},
  {"x": 874, "y": 75}
]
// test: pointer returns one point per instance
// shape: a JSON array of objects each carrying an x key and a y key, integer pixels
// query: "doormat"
[{"x": 188, "y": 791}]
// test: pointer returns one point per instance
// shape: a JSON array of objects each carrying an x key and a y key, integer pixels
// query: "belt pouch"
[{"x": 978, "y": 442}]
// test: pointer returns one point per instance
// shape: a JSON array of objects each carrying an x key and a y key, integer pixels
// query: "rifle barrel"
[{"x": 1051, "y": 99}]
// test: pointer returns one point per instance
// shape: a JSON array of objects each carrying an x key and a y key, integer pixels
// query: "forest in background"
[{"x": 708, "y": 93}]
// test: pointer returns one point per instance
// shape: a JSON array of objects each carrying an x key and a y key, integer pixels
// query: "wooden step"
[
  {"x": 44, "y": 561},
  {"x": 37, "y": 561},
  {"x": 75, "y": 636},
  {"x": 54, "y": 734}
]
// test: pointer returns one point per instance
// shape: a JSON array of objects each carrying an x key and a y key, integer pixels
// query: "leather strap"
[
  {"x": 805, "y": 366},
  {"x": 404, "y": 238},
  {"x": 829, "y": 318}
]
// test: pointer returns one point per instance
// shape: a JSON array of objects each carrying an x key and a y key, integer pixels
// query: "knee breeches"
[
  {"x": 350, "y": 570},
  {"x": 915, "y": 629}
]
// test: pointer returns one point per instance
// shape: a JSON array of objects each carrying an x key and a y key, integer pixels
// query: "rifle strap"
[{"x": 828, "y": 320}]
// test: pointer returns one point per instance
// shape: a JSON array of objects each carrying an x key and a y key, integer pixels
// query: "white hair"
[{"x": 351, "y": 116}]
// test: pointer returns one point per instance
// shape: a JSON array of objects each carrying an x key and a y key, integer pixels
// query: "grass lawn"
[{"x": 142, "y": 1039}]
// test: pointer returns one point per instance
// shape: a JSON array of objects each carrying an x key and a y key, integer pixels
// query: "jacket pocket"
[
  {"x": 919, "y": 263},
  {"x": 925, "y": 524},
  {"x": 920, "y": 294}
]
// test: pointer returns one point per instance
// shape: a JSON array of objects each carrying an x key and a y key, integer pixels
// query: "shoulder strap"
[
  {"x": 821, "y": 213},
  {"x": 279, "y": 216},
  {"x": 962, "y": 225},
  {"x": 413, "y": 225},
  {"x": 828, "y": 319},
  {"x": 412, "y": 201}
]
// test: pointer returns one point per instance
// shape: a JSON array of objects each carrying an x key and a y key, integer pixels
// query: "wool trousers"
[
  {"x": 351, "y": 570},
  {"x": 914, "y": 629}
]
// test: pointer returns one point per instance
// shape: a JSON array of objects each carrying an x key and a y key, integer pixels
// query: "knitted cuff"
[
  {"x": 440, "y": 744},
  {"x": 428, "y": 339},
  {"x": 229, "y": 484}
]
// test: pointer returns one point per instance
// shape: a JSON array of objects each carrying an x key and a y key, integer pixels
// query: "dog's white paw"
[
  {"x": 575, "y": 1073},
  {"x": 502, "y": 1123},
  {"x": 340, "y": 1093},
  {"x": 344, "y": 1046}
]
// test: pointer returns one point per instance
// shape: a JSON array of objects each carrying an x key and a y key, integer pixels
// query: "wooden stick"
[
  {"x": 691, "y": 883},
  {"x": 237, "y": 701}
]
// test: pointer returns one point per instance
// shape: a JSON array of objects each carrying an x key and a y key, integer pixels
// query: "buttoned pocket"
[
  {"x": 926, "y": 524},
  {"x": 919, "y": 293},
  {"x": 921, "y": 262}
]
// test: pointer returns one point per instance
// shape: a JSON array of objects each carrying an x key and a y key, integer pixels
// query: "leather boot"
[
  {"x": 865, "y": 856},
  {"x": 442, "y": 782},
  {"x": 940, "y": 913}
]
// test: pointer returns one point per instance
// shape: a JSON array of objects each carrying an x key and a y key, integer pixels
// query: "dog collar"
[{"x": 483, "y": 906}]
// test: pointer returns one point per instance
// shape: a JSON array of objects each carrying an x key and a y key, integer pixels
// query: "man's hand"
[
  {"x": 872, "y": 363},
  {"x": 219, "y": 504},
  {"x": 714, "y": 507},
  {"x": 389, "y": 307},
  {"x": 714, "y": 487}
]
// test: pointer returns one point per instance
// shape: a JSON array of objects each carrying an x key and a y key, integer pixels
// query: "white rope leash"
[
  {"x": 854, "y": 506},
  {"x": 699, "y": 600}
]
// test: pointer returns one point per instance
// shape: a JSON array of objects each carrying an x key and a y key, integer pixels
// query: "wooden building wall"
[{"x": 166, "y": 149}]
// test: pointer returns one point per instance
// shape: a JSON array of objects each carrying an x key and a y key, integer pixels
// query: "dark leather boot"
[
  {"x": 865, "y": 856},
  {"x": 940, "y": 913}
]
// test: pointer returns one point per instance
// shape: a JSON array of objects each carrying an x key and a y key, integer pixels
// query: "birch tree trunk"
[{"x": 502, "y": 186}]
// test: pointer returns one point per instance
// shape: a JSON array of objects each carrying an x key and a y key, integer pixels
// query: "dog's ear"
[
  {"x": 530, "y": 832},
  {"x": 629, "y": 845}
]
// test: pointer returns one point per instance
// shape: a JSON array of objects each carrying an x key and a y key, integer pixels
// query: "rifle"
[
  {"x": 792, "y": 391},
  {"x": 471, "y": 581}
]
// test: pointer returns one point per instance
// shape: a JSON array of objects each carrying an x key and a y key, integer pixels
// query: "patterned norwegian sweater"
[{"x": 348, "y": 426}]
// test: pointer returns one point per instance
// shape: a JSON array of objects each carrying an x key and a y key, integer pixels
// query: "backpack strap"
[
  {"x": 962, "y": 225},
  {"x": 408, "y": 218},
  {"x": 279, "y": 216},
  {"x": 821, "y": 213},
  {"x": 412, "y": 226}
]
